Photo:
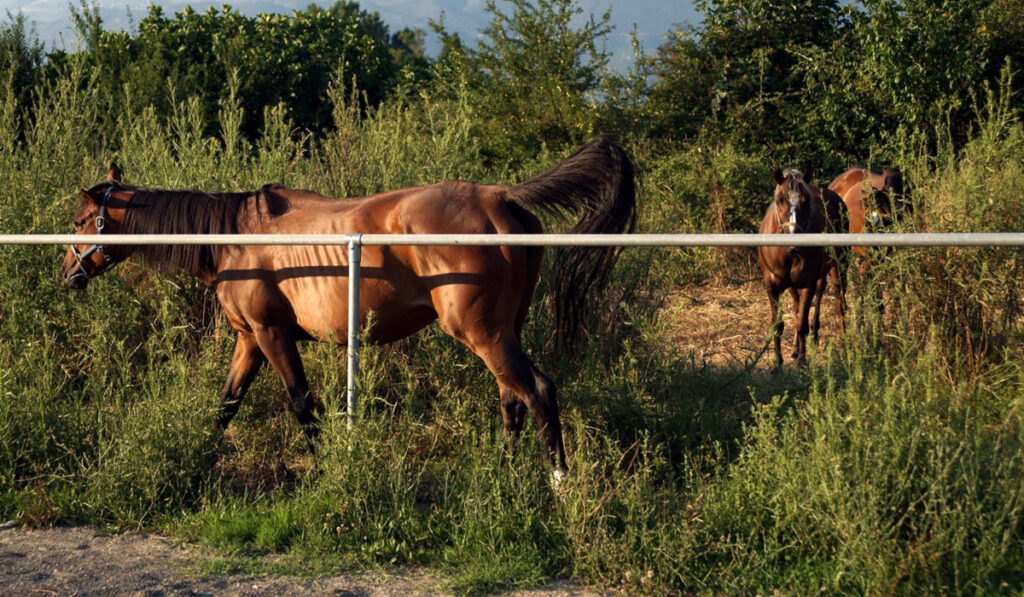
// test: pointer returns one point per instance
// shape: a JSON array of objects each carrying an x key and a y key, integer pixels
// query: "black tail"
[
  {"x": 894, "y": 185},
  {"x": 597, "y": 180}
]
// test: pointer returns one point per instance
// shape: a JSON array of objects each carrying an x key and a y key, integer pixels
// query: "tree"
[
  {"x": 534, "y": 76},
  {"x": 21, "y": 56},
  {"x": 909, "y": 65},
  {"x": 812, "y": 82},
  {"x": 279, "y": 59},
  {"x": 738, "y": 75}
]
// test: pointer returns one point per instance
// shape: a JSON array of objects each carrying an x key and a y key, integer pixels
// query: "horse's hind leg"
[
  {"x": 838, "y": 279},
  {"x": 279, "y": 346},
  {"x": 819, "y": 291},
  {"x": 245, "y": 364},
  {"x": 776, "y": 325},
  {"x": 513, "y": 415},
  {"x": 513, "y": 410},
  {"x": 804, "y": 308},
  {"x": 519, "y": 381},
  {"x": 797, "y": 309}
]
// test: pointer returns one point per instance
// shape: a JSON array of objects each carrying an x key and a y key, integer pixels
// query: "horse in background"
[
  {"x": 799, "y": 208},
  {"x": 873, "y": 199},
  {"x": 276, "y": 296}
]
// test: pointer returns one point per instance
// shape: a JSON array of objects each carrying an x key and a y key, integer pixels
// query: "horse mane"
[{"x": 156, "y": 211}]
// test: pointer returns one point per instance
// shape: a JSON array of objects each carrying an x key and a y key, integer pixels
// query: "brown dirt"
[
  {"x": 728, "y": 323},
  {"x": 78, "y": 561}
]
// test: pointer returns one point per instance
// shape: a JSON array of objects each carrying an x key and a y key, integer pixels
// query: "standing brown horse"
[
  {"x": 798, "y": 208},
  {"x": 274, "y": 296},
  {"x": 872, "y": 199}
]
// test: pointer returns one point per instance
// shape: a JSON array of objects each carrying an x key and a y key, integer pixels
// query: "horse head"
[
  {"x": 793, "y": 203},
  {"x": 888, "y": 198},
  {"x": 101, "y": 211}
]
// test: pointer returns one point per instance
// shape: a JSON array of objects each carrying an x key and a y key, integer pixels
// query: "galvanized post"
[{"x": 354, "y": 257}]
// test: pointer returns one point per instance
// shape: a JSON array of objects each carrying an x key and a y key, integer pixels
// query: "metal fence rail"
[
  {"x": 355, "y": 242},
  {"x": 951, "y": 239}
]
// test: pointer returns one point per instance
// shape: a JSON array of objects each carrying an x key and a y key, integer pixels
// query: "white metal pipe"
[
  {"x": 352, "y": 390},
  {"x": 949, "y": 239}
]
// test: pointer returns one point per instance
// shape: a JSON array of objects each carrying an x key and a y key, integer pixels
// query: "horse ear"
[
  {"x": 779, "y": 179},
  {"x": 87, "y": 196},
  {"x": 809, "y": 175},
  {"x": 114, "y": 173}
]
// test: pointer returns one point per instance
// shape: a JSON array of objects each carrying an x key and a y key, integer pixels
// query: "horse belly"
[
  {"x": 322, "y": 311},
  {"x": 321, "y": 308}
]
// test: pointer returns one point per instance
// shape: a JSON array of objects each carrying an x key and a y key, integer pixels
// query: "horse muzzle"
[
  {"x": 73, "y": 274},
  {"x": 76, "y": 279}
]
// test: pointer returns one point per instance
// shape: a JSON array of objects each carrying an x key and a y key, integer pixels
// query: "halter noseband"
[{"x": 110, "y": 261}]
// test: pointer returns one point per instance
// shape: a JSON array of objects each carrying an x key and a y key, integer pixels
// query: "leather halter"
[
  {"x": 792, "y": 224},
  {"x": 109, "y": 260}
]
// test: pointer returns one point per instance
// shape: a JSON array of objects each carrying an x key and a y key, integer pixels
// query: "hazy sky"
[{"x": 653, "y": 18}]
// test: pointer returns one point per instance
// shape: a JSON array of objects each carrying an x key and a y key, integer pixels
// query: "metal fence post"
[{"x": 352, "y": 389}]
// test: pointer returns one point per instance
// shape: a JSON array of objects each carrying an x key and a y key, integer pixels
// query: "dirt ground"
[
  {"x": 721, "y": 323},
  {"x": 729, "y": 322},
  {"x": 77, "y": 561}
]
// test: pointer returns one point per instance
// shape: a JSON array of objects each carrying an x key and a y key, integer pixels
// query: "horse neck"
[
  {"x": 774, "y": 218},
  {"x": 184, "y": 212}
]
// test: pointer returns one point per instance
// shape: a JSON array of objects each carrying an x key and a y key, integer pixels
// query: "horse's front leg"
[
  {"x": 245, "y": 364},
  {"x": 278, "y": 344}
]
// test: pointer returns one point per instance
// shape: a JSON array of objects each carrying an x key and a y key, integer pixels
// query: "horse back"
[
  {"x": 849, "y": 187},
  {"x": 836, "y": 220}
]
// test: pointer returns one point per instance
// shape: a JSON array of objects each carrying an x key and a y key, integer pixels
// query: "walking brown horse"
[
  {"x": 275, "y": 296},
  {"x": 873, "y": 198},
  {"x": 799, "y": 208}
]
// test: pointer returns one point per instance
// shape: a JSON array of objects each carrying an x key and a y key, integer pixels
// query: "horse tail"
[
  {"x": 598, "y": 182},
  {"x": 894, "y": 184}
]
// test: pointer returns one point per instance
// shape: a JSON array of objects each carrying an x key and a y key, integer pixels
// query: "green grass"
[{"x": 893, "y": 466}]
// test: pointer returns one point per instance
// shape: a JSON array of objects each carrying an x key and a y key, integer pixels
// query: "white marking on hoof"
[{"x": 557, "y": 477}]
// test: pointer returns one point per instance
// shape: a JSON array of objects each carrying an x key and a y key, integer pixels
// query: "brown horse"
[
  {"x": 873, "y": 198},
  {"x": 798, "y": 208},
  {"x": 274, "y": 296}
]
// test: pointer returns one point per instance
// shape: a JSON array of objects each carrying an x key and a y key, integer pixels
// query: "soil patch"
[
  {"x": 726, "y": 323},
  {"x": 78, "y": 561}
]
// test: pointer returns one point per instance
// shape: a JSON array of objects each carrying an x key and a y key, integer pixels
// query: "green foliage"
[
  {"x": 275, "y": 59},
  {"x": 21, "y": 55},
  {"x": 915, "y": 66},
  {"x": 736, "y": 76},
  {"x": 812, "y": 82},
  {"x": 532, "y": 78}
]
